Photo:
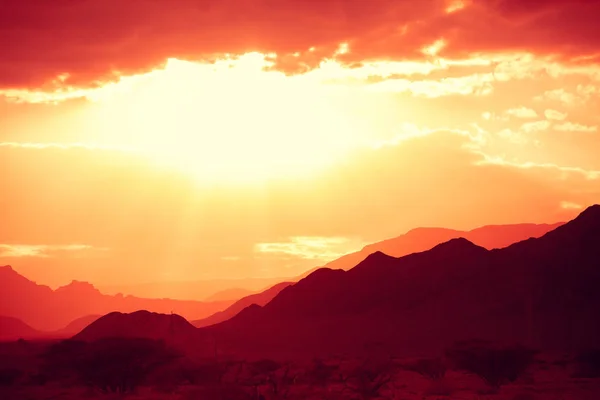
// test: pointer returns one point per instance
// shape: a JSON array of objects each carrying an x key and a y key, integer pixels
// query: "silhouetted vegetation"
[
  {"x": 9, "y": 376},
  {"x": 430, "y": 368},
  {"x": 320, "y": 373},
  {"x": 587, "y": 364},
  {"x": 369, "y": 378},
  {"x": 111, "y": 365},
  {"x": 495, "y": 365}
]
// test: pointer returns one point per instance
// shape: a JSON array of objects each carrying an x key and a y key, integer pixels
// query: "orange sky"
[{"x": 179, "y": 140}]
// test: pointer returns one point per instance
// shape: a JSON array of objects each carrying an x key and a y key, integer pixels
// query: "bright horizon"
[{"x": 156, "y": 153}]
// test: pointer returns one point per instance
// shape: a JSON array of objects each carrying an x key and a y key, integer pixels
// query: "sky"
[{"x": 156, "y": 140}]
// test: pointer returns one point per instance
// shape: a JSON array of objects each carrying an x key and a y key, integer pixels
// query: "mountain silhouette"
[
  {"x": 421, "y": 239},
  {"x": 13, "y": 329},
  {"x": 51, "y": 310},
  {"x": 77, "y": 325},
  {"x": 139, "y": 324},
  {"x": 259, "y": 299},
  {"x": 233, "y": 294},
  {"x": 541, "y": 291}
]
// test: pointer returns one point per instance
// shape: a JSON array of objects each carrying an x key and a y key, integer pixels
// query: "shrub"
[
  {"x": 320, "y": 374},
  {"x": 494, "y": 365},
  {"x": 112, "y": 365},
  {"x": 587, "y": 364},
  {"x": 9, "y": 376},
  {"x": 368, "y": 379},
  {"x": 430, "y": 368}
]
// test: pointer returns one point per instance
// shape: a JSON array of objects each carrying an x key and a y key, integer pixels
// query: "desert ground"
[{"x": 62, "y": 370}]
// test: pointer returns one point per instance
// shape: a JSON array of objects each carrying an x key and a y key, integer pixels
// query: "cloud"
[
  {"x": 154, "y": 218},
  {"x": 536, "y": 126},
  {"x": 568, "y": 205},
  {"x": 555, "y": 115},
  {"x": 478, "y": 84},
  {"x": 522, "y": 112},
  {"x": 64, "y": 146},
  {"x": 574, "y": 127},
  {"x": 578, "y": 97},
  {"x": 529, "y": 165},
  {"x": 312, "y": 248},
  {"x": 84, "y": 43},
  {"x": 47, "y": 251}
]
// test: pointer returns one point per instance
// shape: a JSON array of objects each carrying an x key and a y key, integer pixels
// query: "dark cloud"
[{"x": 97, "y": 39}]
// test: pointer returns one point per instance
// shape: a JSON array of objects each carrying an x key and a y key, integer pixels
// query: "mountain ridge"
[
  {"x": 424, "y": 301},
  {"x": 50, "y": 310}
]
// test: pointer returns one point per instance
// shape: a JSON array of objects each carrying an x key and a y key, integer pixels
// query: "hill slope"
[
  {"x": 259, "y": 299},
  {"x": 139, "y": 324},
  {"x": 13, "y": 329}
]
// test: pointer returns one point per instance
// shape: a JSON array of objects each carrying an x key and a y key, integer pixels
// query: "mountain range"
[
  {"x": 50, "y": 310},
  {"x": 13, "y": 328},
  {"x": 541, "y": 291},
  {"x": 260, "y": 299},
  {"x": 421, "y": 239}
]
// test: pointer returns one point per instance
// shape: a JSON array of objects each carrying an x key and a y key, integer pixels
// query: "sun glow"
[{"x": 231, "y": 120}]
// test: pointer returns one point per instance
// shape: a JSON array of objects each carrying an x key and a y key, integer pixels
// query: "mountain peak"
[
  {"x": 592, "y": 212},
  {"x": 587, "y": 223},
  {"x": 457, "y": 245},
  {"x": 141, "y": 324},
  {"x": 375, "y": 258},
  {"x": 78, "y": 286},
  {"x": 7, "y": 269},
  {"x": 378, "y": 256}
]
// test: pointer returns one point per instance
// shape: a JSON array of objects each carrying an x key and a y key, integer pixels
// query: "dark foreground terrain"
[{"x": 151, "y": 369}]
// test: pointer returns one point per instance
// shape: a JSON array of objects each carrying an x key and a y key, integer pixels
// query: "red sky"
[{"x": 180, "y": 140}]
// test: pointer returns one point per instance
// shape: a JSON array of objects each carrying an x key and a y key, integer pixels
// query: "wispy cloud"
[
  {"x": 48, "y": 251},
  {"x": 575, "y": 127},
  {"x": 64, "y": 146},
  {"x": 569, "y": 205},
  {"x": 312, "y": 247},
  {"x": 476, "y": 84},
  {"x": 555, "y": 115},
  {"x": 522, "y": 112},
  {"x": 580, "y": 95},
  {"x": 536, "y": 126},
  {"x": 497, "y": 160}
]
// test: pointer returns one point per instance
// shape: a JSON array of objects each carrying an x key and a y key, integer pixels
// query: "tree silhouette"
[{"x": 494, "y": 365}]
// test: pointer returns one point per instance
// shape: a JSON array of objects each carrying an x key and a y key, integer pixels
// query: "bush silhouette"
[
  {"x": 112, "y": 365},
  {"x": 368, "y": 379},
  {"x": 430, "y": 368},
  {"x": 319, "y": 373},
  {"x": 9, "y": 376},
  {"x": 120, "y": 365},
  {"x": 588, "y": 364},
  {"x": 494, "y": 365}
]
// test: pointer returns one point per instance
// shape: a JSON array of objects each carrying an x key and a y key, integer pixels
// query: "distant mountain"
[
  {"x": 190, "y": 290},
  {"x": 232, "y": 294},
  {"x": 13, "y": 329},
  {"x": 77, "y": 326},
  {"x": 51, "y": 310},
  {"x": 139, "y": 324},
  {"x": 260, "y": 299},
  {"x": 421, "y": 239},
  {"x": 541, "y": 291},
  {"x": 416, "y": 240}
]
